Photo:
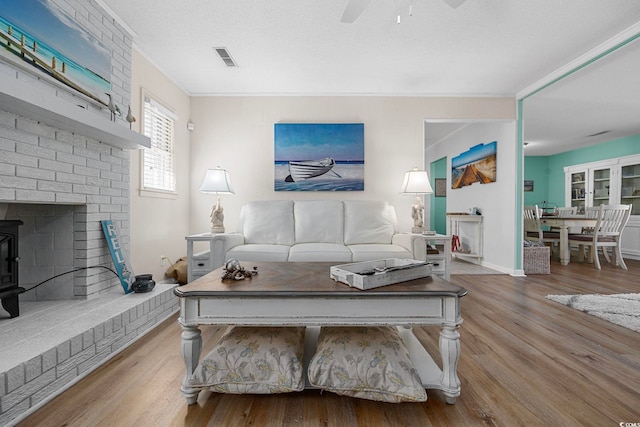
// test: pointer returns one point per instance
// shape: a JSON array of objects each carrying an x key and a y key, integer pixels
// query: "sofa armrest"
[
  {"x": 415, "y": 243},
  {"x": 221, "y": 244}
]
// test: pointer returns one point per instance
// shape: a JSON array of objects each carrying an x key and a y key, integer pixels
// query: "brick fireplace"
[{"x": 64, "y": 166}]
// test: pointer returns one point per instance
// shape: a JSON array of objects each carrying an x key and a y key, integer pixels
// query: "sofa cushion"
[
  {"x": 250, "y": 359},
  {"x": 368, "y": 222},
  {"x": 319, "y": 252},
  {"x": 319, "y": 221},
  {"x": 267, "y": 253},
  {"x": 366, "y": 362},
  {"x": 375, "y": 251},
  {"x": 269, "y": 222}
]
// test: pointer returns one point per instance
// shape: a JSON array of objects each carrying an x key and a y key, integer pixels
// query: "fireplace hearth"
[{"x": 9, "y": 288}]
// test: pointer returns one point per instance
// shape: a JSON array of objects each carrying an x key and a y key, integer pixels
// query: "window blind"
[{"x": 157, "y": 168}]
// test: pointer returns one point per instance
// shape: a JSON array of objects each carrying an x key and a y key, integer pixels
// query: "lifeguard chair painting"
[{"x": 478, "y": 164}]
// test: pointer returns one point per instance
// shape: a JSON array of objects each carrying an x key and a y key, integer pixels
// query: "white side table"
[
  {"x": 201, "y": 263},
  {"x": 468, "y": 228},
  {"x": 440, "y": 261}
]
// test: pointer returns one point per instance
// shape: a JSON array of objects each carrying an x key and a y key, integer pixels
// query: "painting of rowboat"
[
  {"x": 478, "y": 164},
  {"x": 43, "y": 38},
  {"x": 319, "y": 157}
]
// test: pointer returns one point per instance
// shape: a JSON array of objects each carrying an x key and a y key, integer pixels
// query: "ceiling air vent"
[{"x": 226, "y": 58}]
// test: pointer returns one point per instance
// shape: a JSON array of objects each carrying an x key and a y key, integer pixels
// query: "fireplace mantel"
[{"x": 18, "y": 97}]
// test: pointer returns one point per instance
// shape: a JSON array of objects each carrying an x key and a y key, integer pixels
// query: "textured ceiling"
[
  {"x": 494, "y": 47},
  {"x": 598, "y": 103},
  {"x": 483, "y": 47}
]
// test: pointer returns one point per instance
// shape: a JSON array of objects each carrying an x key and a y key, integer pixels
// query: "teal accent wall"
[
  {"x": 536, "y": 169},
  {"x": 438, "y": 220},
  {"x": 535, "y": 166}
]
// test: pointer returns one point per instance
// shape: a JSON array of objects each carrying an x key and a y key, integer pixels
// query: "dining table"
[{"x": 564, "y": 224}]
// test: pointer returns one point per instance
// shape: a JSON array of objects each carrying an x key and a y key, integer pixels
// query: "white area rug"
[{"x": 621, "y": 309}]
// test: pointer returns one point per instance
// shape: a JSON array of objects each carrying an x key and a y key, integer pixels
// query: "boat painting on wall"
[
  {"x": 40, "y": 37},
  {"x": 478, "y": 164},
  {"x": 319, "y": 157}
]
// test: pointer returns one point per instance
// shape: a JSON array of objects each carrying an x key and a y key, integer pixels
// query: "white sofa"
[{"x": 327, "y": 230}]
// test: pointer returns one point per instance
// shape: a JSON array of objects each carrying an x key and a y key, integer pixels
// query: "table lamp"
[
  {"x": 217, "y": 182},
  {"x": 416, "y": 183}
]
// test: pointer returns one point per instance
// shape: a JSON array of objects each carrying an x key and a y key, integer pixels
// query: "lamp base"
[
  {"x": 417, "y": 230},
  {"x": 217, "y": 229}
]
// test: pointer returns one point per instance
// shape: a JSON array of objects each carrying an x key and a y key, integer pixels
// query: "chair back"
[
  {"x": 531, "y": 219},
  {"x": 567, "y": 211},
  {"x": 592, "y": 212},
  {"x": 612, "y": 219}
]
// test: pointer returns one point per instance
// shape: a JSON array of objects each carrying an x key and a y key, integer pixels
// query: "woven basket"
[{"x": 536, "y": 260}]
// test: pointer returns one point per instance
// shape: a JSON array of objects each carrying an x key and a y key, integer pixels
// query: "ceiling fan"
[{"x": 355, "y": 8}]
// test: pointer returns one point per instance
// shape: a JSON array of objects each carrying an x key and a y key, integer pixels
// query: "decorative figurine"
[
  {"x": 130, "y": 117},
  {"x": 233, "y": 270},
  {"x": 115, "y": 110}
]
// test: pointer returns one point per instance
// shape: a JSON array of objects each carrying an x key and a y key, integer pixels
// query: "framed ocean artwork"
[
  {"x": 40, "y": 37},
  {"x": 319, "y": 157},
  {"x": 478, "y": 164}
]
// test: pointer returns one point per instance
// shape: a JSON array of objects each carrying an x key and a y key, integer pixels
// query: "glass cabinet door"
[
  {"x": 578, "y": 190},
  {"x": 630, "y": 188},
  {"x": 600, "y": 186}
]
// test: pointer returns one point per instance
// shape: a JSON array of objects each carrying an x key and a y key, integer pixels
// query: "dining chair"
[
  {"x": 533, "y": 227},
  {"x": 590, "y": 212},
  {"x": 607, "y": 233},
  {"x": 567, "y": 211}
]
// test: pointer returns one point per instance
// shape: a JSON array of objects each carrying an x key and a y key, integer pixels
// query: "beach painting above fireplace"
[
  {"x": 319, "y": 157},
  {"x": 42, "y": 38}
]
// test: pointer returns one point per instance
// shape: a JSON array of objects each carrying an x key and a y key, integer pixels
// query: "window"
[{"x": 158, "y": 172}]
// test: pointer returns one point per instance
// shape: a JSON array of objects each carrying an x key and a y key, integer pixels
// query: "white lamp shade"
[
  {"x": 217, "y": 181},
  {"x": 416, "y": 182}
]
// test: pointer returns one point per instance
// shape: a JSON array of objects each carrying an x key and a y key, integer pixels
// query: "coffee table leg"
[
  {"x": 191, "y": 346},
  {"x": 450, "y": 352}
]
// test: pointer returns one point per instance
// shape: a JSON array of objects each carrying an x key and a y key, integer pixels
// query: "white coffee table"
[{"x": 303, "y": 294}]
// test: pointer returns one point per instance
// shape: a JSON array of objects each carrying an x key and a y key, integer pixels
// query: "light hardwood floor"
[{"x": 526, "y": 361}]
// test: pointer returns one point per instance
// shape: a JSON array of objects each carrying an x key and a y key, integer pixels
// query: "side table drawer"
[
  {"x": 438, "y": 265},
  {"x": 201, "y": 264}
]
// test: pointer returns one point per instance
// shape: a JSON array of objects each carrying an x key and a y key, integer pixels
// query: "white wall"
[
  {"x": 496, "y": 200},
  {"x": 159, "y": 224},
  {"x": 236, "y": 133}
]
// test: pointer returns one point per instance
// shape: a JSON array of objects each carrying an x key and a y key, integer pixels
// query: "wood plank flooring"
[{"x": 525, "y": 360}]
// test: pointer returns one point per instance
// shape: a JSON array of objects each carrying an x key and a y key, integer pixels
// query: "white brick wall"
[
  {"x": 40, "y": 164},
  {"x": 62, "y": 185},
  {"x": 41, "y": 377}
]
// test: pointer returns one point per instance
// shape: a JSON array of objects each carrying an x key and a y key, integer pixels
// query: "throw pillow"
[
  {"x": 366, "y": 362},
  {"x": 259, "y": 360}
]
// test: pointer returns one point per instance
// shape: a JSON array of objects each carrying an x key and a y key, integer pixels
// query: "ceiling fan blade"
[
  {"x": 353, "y": 10},
  {"x": 454, "y": 3}
]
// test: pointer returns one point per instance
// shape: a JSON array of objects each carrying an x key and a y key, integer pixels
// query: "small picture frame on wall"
[
  {"x": 440, "y": 187},
  {"x": 528, "y": 185}
]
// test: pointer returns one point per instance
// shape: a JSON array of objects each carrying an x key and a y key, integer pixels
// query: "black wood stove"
[{"x": 9, "y": 289}]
